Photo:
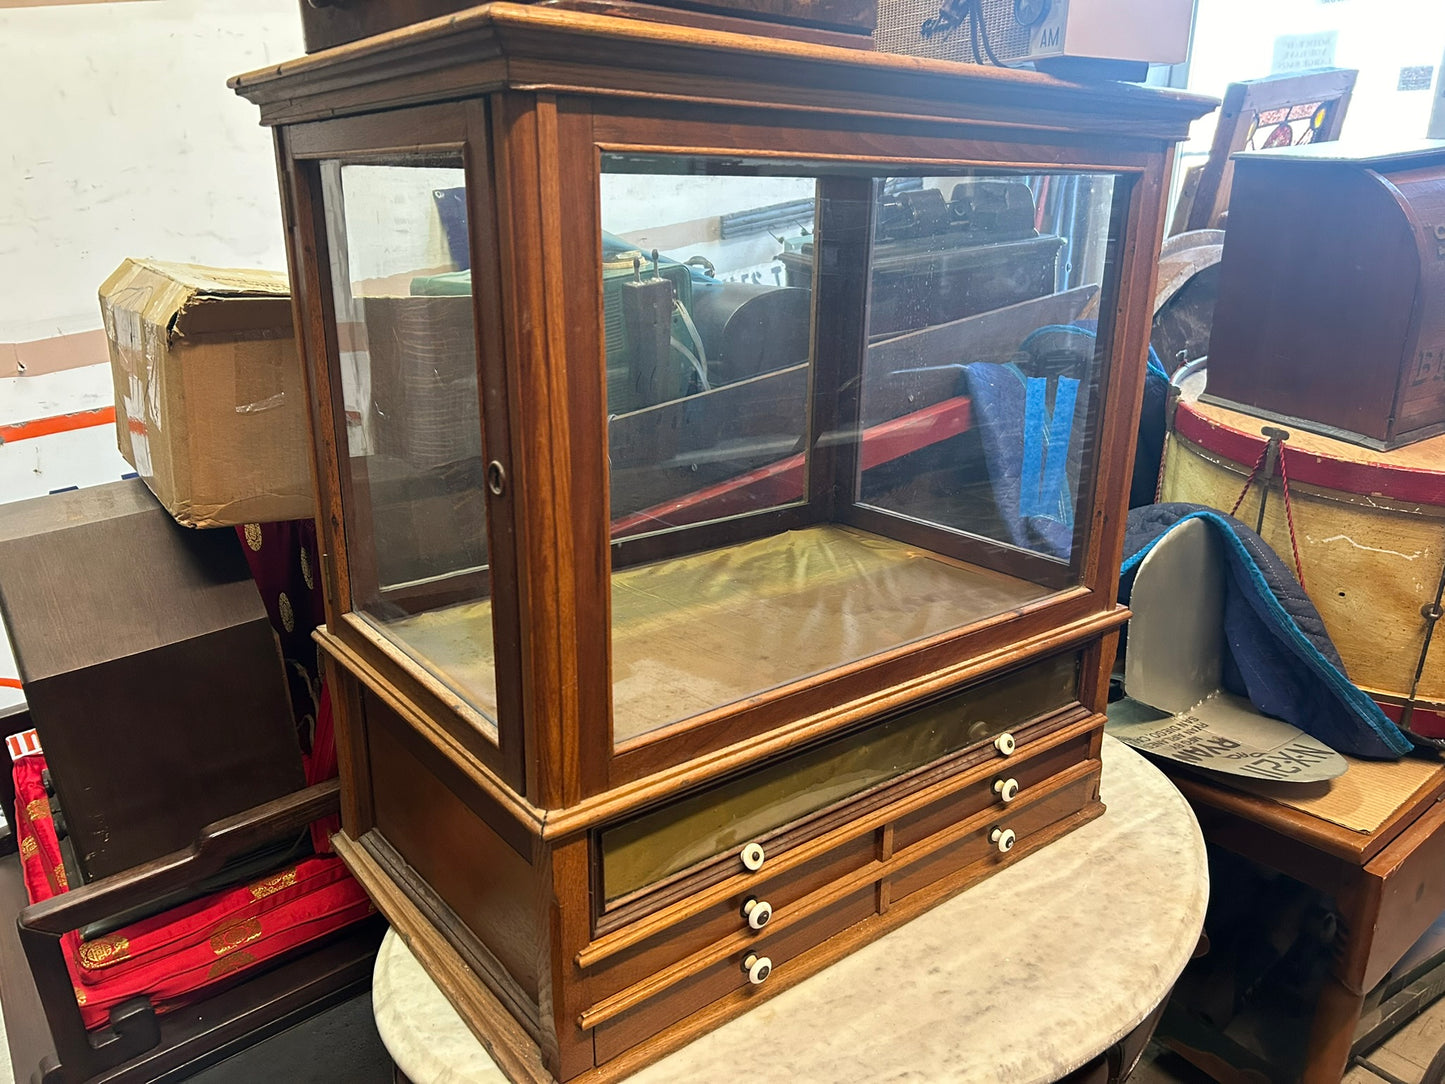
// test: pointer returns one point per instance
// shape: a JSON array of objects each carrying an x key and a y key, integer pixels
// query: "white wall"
[
  {"x": 1234, "y": 39},
  {"x": 121, "y": 138}
]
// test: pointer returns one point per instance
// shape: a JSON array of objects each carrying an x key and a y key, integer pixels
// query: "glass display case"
[{"x": 722, "y": 495}]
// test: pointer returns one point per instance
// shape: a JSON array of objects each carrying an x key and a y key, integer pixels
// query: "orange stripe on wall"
[{"x": 61, "y": 423}]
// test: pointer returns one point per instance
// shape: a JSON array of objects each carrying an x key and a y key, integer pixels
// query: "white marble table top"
[{"x": 1023, "y": 977}]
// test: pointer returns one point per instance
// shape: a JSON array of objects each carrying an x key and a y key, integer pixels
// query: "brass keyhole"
[{"x": 496, "y": 478}]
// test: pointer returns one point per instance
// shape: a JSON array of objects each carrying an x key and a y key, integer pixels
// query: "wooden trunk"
[
  {"x": 1331, "y": 309},
  {"x": 756, "y": 672},
  {"x": 1371, "y": 533}
]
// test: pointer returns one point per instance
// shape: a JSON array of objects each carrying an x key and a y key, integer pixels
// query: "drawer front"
[
  {"x": 648, "y": 850},
  {"x": 726, "y": 917},
  {"x": 681, "y": 931},
  {"x": 1029, "y": 771},
  {"x": 708, "y": 985},
  {"x": 977, "y": 847}
]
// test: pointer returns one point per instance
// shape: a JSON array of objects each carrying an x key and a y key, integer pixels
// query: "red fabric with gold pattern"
[
  {"x": 283, "y": 562},
  {"x": 171, "y": 958}
]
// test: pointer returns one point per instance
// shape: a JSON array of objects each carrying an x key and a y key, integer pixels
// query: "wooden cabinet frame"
[{"x": 532, "y": 98}]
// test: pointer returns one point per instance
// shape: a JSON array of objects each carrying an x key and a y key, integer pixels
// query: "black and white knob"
[
  {"x": 757, "y": 968},
  {"x": 1005, "y": 744},
  {"x": 1004, "y": 839},
  {"x": 753, "y": 857},
  {"x": 758, "y": 913},
  {"x": 1006, "y": 789}
]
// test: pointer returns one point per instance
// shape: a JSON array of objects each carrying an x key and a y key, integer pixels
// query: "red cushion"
[{"x": 171, "y": 958}]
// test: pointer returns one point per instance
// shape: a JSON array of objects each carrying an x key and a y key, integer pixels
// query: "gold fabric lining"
[
  {"x": 702, "y": 825},
  {"x": 708, "y": 629},
  {"x": 1362, "y": 799}
]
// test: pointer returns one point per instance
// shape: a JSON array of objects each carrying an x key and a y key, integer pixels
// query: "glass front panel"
[
  {"x": 670, "y": 839},
  {"x": 847, "y": 411},
  {"x": 415, "y": 502}
]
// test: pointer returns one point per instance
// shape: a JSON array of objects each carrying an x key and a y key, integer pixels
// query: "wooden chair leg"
[{"x": 1331, "y": 1035}]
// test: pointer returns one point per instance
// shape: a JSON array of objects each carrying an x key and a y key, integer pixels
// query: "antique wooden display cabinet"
[{"x": 685, "y": 629}]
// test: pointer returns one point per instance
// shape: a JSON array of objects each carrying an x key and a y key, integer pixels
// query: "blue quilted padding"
[{"x": 1280, "y": 655}]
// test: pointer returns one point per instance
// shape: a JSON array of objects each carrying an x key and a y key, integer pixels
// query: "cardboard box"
[{"x": 210, "y": 407}]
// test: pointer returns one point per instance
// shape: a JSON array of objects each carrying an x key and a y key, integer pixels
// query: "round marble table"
[{"x": 1023, "y": 977}]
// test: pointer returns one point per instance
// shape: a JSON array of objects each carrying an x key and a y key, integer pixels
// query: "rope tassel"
[{"x": 1273, "y": 452}]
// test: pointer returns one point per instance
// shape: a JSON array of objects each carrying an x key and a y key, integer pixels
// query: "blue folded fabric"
[
  {"x": 1028, "y": 452},
  {"x": 1279, "y": 654},
  {"x": 1034, "y": 450}
]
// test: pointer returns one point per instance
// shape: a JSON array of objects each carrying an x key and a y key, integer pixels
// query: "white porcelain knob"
[
  {"x": 1006, "y": 789},
  {"x": 758, "y": 968},
  {"x": 1003, "y": 839},
  {"x": 753, "y": 856},
  {"x": 1004, "y": 743},
  {"x": 757, "y": 912}
]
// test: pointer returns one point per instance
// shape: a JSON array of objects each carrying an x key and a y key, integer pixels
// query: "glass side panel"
[
  {"x": 415, "y": 504},
  {"x": 848, "y": 410},
  {"x": 672, "y": 838},
  {"x": 970, "y": 296}
]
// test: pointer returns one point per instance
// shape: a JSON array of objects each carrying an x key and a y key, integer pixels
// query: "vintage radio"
[
  {"x": 1331, "y": 310},
  {"x": 753, "y": 673},
  {"x": 1109, "y": 39}
]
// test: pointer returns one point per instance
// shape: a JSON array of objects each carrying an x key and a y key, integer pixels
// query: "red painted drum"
[{"x": 1371, "y": 532}]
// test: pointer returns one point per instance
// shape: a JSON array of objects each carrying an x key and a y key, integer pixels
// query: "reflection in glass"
[
  {"x": 976, "y": 295},
  {"x": 416, "y": 513},
  {"x": 846, "y": 412}
]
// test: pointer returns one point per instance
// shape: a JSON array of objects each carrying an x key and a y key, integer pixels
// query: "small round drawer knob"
[
  {"x": 1005, "y": 744},
  {"x": 758, "y": 913},
  {"x": 1006, "y": 789},
  {"x": 1003, "y": 839},
  {"x": 753, "y": 856},
  {"x": 758, "y": 968}
]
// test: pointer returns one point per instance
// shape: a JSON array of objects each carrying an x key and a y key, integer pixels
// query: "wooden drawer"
[
  {"x": 678, "y": 940},
  {"x": 1030, "y": 770},
  {"x": 683, "y": 926},
  {"x": 1028, "y": 819},
  {"x": 631, "y": 1027},
  {"x": 694, "y": 840}
]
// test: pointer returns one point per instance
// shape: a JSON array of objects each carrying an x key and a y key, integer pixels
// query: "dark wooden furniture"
[
  {"x": 1331, "y": 310},
  {"x": 154, "y": 678},
  {"x": 48, "y": 1042},
  {"x": 1388, "y": 885},
  {"x": 1274, "y": 110},
  {"x": 617, "y": 784}
]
